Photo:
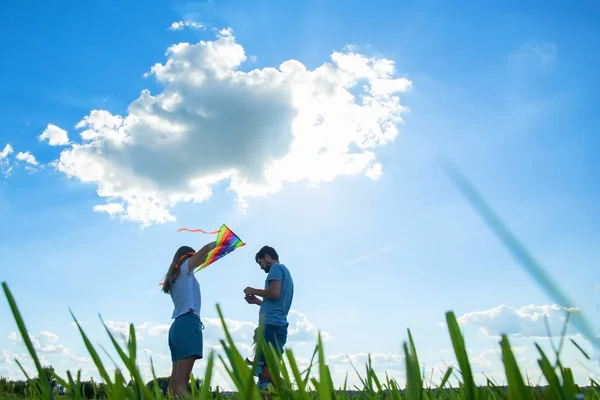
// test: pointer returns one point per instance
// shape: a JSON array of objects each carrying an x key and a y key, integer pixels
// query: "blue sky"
[{"x": 507, "y": 92}]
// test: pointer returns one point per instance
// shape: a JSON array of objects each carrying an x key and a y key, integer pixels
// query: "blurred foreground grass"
[
  {"x": 316, "y": 381},
  {"x": 313, "y": 383}
]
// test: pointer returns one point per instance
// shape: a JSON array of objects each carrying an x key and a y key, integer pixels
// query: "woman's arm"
[{"x": 197, "y": 259}]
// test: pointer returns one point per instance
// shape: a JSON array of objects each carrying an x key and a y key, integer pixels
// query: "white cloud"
[
  {"x": 302, "y": 330},
  {"x": 22, "y": 156},
  {"x": 242, "y": 332},
  {"x": 6, "y": 152},
  {"x": 112, "y": 209},
  {"x": 24, "y": 358},
  {"x": 527, "y": 321},
  {"x": 81, "y": 360},
  {"x": 359, "y": 360},
  {"x": 491, "y": 360},
  {"x": 55, "y": 135},
  {"x": 5, "y": 169},
  {"x": 256, "y": 130},
  {"x": 43, "y": 342},
  {"x": 178, "y": 25},
  {"x": 27, "y": 157},
  {"x": 121, "y": 330},
  {"x": 158, "y": 330},
  {"x": 5, "y": 357}
]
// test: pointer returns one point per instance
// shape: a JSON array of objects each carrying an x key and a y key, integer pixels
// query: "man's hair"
[{"x": 267, "y": 250}]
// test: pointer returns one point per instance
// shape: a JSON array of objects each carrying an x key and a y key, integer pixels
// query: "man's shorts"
[
  {"x": 185, "y": 337},
  {"x": 277, "y": 336}
]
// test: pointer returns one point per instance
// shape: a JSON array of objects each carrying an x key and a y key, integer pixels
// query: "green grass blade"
[
  {"x": 75, "y": 387},
  {"x": 411, "y": 378},
  {"x": 208, "y": 373},
  {"x": 516, "y": 249},
  {"x": 157, "y": 392},
  {"x": 22, "y": 370},
  {"x": 414, "y": 382},
  {"x": 363, "y": 381},
  {"x": 47, "y": 392},
  {"x": 273, "y": 362},
  {"x": 462, "y": 358},
  {"x": 310, "y": 365},
  {"x": 287, "y": 384},
  {"x": 569, "y": 386},
  {"x": 516, "y": 384},
  {"x": 550, "y": 375},
  {"x": 93, "y": 353},
  {"x": 325, "y": 388},
  {"x": 297, "y": 376},
  {"x": 580, "y": 349},
  {"x": 141, "y": 391},
  {"x": 445, "y": 379},
  {"x": 194, "y": 389}
]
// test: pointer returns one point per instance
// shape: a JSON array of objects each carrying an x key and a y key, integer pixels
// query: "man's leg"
[{"x": 276, "y": 336}]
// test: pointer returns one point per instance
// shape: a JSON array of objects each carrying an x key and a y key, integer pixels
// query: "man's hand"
[
  {"x": 252, "y": 299},
  {"x": 273, "y": 292},
  {"x": 249, "y": 291}
]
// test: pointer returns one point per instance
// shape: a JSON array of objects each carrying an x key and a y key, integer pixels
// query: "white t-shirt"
[{"x": 185, "y": 292}]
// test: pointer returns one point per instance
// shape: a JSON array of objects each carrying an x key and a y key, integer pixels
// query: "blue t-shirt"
[{"x": 275, "y": 311}]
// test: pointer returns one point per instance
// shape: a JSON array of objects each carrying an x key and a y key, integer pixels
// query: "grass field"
[{"x": 316, "y": 382}]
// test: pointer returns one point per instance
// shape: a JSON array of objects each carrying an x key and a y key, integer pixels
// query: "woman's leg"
[
  {"x": 182, "y": 369},
  {"x": 185, "y": 341},
  {"x": 171, "y": 388},
  {"x": 173, "y": 350}
]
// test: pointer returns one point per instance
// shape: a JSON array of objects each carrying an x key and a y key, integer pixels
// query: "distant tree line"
[{"x": 89, "y": 388}]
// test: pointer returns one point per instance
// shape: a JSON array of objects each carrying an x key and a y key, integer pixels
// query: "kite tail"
[{"x": 198, "y": 230}]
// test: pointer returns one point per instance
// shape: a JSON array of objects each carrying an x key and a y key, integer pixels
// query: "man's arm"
[{"x": 272, "y": 293}]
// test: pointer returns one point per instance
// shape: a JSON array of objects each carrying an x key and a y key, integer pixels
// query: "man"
[{"x": 275, "y": 304}]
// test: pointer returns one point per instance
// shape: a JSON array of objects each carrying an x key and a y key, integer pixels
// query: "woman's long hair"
[{"x": 182, "y": 254}]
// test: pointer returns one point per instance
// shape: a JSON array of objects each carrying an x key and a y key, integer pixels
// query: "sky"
[{"x": 316, "y": 128}]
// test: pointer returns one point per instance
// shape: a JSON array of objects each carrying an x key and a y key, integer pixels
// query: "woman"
[{"x": 185, "y": 334}]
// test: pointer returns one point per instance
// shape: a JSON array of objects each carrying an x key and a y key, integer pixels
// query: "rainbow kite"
[{"x": 226, "y": 242}]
